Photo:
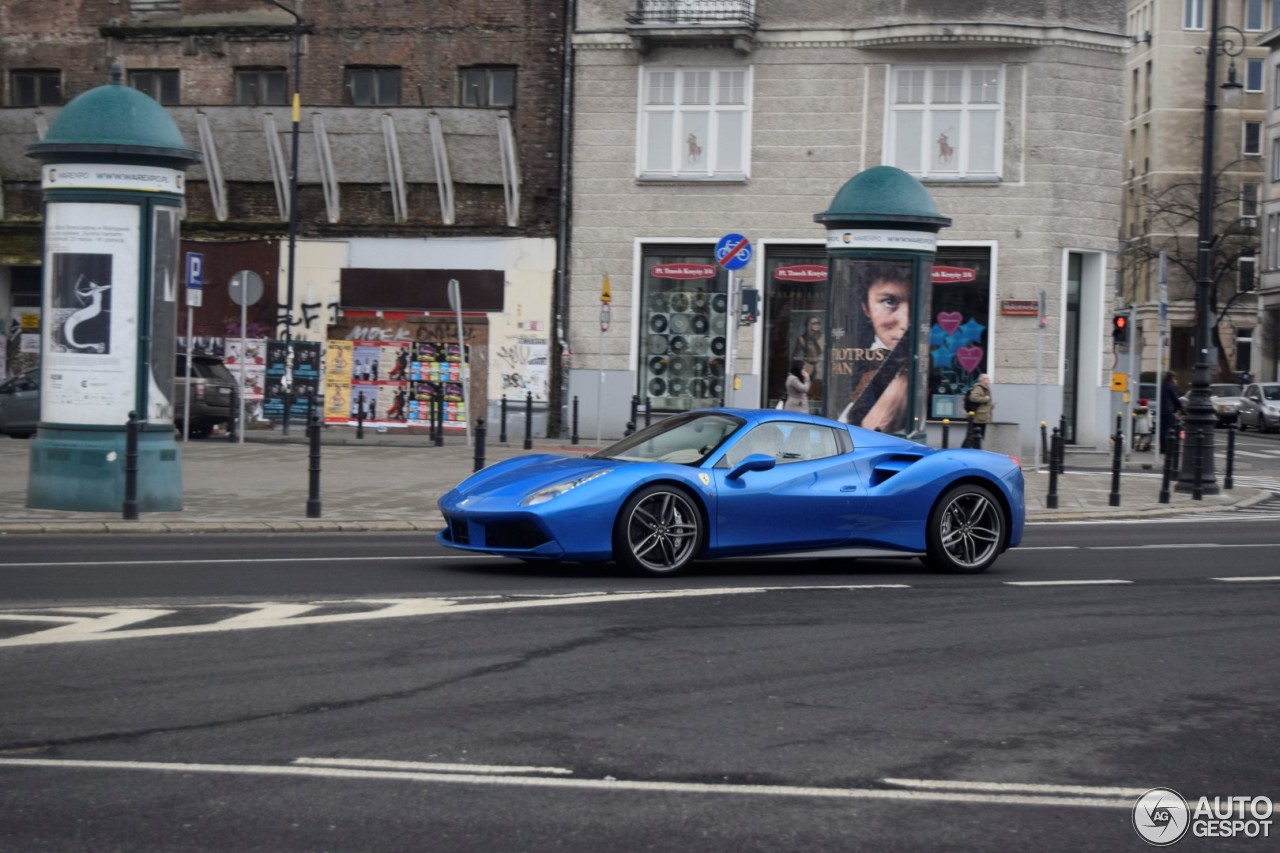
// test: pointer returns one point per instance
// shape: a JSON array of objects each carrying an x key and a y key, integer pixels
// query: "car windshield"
[
  {"x": 683, "y": 439},
  {"x": 1225, "y": 390},
  {"x": 1271, "y": 392}
]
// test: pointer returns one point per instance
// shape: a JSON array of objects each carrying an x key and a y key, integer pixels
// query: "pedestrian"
[
  {"x": 1170, "y": 412},
  {"x": 797, "y": 387},
  {"x": 1142, "y": 425},
  {"x": 980, "y": 404}
]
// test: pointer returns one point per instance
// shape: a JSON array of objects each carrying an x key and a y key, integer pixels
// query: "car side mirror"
[{"x": 754, "y": 462}]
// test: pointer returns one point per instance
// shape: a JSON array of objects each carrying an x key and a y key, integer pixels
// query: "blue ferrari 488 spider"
[{"x": 733, "y": 482}]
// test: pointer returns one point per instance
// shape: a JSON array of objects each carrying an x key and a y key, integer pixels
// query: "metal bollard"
[
  {"x": 439, "y": 440},
  {"x": 573, "y": 439},
  {"x": 1165, "y": 477},
  {"x": 1051, "y": 499},
  {"x": 1044, "y": 442},
  {"x": 235, "y": 410},
  {"x": 288, "y": 404},
  {"x": 502, "y": 427},
  {"x": 1228, "y": 481},
  {"x": 360, "y": 415},
  {"x": 480, "y": 434},
  {"x": 1117, "y": 452},
  {"x": 635, "y": 408},
  {"x": 528, "y": 420},
  {"x": 647, "y": 410},
  {"x": 946, "y": 433},
  {"x": 1197, "y": 488},
  {"x": 131, "y": 468},
  {"x": 313, "y": 472}
]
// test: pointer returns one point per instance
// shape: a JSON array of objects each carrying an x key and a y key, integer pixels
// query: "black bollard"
[
  {"x": 528, "y": 420},
  {"x": 1165, "y": 477},
  {"x": 1117, "y": 451},
  {"x": 235, "y": 411},
  {"x": 502, "y": 414},
  {"x": 1228, "y": 481},
  {"x": 1051, "y": 499},
  {"x": 1044, "y": 442},
  {"x": 313, "y": 471},
  {"x": 647, "y": 410},
  {"x": 439, "y": 414},
  {"x": 946, "y": 433},
  {"x": 480, "y": 434},
  {"x": 288, "y": 404},
  {"x": 573, "y": 438},
  {"x": 360, "y": 415},
  {"x": 131, "y": 468},
  {"x": 635, "y": 409},
  {"x": 1197, "y": 488}
]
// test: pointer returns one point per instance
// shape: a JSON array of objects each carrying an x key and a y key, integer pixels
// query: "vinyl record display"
[
  {"x": 698, "y": 388},
  {"x": 657, "y": 365},
  {"x": 658, "y": 344},
  {"x": 717, "y": 346},
  {"x": 715, "y": 367},
  {"x": 717, "y": 324},
  {"x": 700, "y": 367},
  {"x": 675, "y": 387},
  {"x": 680, "y": 324},
  {"x": 719, "y": 303},
  {"x": 717, "y": 388},
  {"x": 657, "y": 387},
  {"x": 679, "y": 301},
  {"x": 699, "y": 344},
  {"x": 678, "y": 344},
  {"x": 657, "y": 302},
  {"x": 700, "y": 324},
  {"x": 679, "y": 365},
  {"x": 699, "y": 301},
  {"x": 658, "y": 323}
]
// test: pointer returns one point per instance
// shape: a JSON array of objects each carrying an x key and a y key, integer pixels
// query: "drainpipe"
[{"x": 561, "y": 308}]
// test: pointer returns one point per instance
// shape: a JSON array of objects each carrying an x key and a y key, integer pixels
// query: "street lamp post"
[
  {"x": 293, "y": 207},
  {"x": 1196, "y": 473}
]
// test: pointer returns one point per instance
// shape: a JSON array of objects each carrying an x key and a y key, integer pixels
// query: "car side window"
[{"x": 786, "y": 442}]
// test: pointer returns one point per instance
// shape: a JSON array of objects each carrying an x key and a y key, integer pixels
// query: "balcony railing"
[{"x": 711, "y": 22}]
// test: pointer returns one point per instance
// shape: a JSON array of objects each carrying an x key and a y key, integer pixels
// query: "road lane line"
[
  {"x": 247, "y": 561},
  {"x": 604, "y": 785},
  {"x": 1247, "y": 579},
  {"x": 1066, "y": 583},
  {"x": 427, "y": 766},
  {"x": 1017, "y": 787}
]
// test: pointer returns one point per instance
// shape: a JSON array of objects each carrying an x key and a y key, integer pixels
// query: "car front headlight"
[{"x": 543, "y": 495}]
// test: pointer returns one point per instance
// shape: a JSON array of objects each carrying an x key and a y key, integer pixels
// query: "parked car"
[
  {"x": 213, "y": 394},
  {"x": 1225, "y": 399},
  {"x": 733, "y": 482},
  {"x": 20, "y": 403},
  {"x": 1260, "y": 407}
]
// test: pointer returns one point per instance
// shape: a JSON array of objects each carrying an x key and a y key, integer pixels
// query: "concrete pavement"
[{"x": 390, "y": 482}]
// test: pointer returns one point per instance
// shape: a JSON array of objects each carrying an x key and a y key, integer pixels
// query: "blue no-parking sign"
[{"x": 733, "y": 252}]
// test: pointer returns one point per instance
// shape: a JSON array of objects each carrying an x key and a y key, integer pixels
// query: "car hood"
[{"x": 527, "y": 474}]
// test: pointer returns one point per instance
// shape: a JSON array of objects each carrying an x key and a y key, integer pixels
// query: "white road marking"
[
  {"x": 427, "y": 766},
  {"x": 1016, "y": 787},
  {"x": 246, "y": 561},
  {"x": 607, "y": 785},
  {"x": 1247, "y": 579},
  {"x": 1067, "y": 583}
]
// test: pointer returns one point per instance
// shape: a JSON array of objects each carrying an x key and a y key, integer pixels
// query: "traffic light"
[{"x": 1120, "y": 329}]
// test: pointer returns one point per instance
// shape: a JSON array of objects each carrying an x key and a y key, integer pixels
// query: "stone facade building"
[{"x": 694, "y": 119}]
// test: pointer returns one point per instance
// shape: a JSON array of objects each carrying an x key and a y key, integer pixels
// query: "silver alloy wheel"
[
  {"x": 660, "y": 530},
  {"x": 967, "y": 530}
]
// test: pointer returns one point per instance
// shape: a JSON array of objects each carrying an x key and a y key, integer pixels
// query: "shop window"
[
  {"x": 958, "y": 333},
  {"x": 36, "y": 88},
  {"x": 160, "y": 84},
  {"x": 261, "y": 86},
  {"x": 945, "y": 121},
  {"x": 694, "y": 123},
  {"x": 487, "y": 87},
  {"x": 685, "y": 324},
  {"x": 369, "y": 87},
  {"x": 794, "y": 320}
]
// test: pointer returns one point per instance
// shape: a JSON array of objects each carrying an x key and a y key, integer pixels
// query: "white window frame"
[
  {"x": 1245, "y": 151},
  {"x": 929, "y": 108},
  {"x": 1193, "y": 14},
  {"x": 1254, "y": 73},
  {"x": 699, "y": 154},
  {"x": 1246, "y": 274},
  {"x": 1255, "y": 16}
]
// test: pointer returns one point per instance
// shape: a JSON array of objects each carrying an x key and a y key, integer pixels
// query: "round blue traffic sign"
[{"x": 733, "y": 252}]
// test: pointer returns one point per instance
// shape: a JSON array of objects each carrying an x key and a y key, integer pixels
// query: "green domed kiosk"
[{"x": 112, "y": 173}]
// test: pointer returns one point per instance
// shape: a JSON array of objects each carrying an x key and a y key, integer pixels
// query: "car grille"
[
  {"x": 458, "y": 531},
  {"x": 519, "y": 535}
]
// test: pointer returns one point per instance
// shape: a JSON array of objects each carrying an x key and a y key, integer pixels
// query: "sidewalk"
[{"x": 390, "y": 482}]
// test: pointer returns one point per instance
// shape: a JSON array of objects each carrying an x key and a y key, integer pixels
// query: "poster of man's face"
[{"x": 81, "y": 303}]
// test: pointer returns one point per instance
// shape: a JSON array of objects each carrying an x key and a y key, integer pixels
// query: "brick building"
[{"x": 428, "y": 149}]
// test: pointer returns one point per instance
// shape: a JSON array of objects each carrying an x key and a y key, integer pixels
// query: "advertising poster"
[
  {"x": 89, "y": 370},
  {"x": 21, "y": 341},
  {"x": 869, "y": 380},
  {"x": 164, "y": 314},
  {"x": 337, "y": 381},
  {"x": 305, "y": 375},
  {"x": 394, "y": 382}
]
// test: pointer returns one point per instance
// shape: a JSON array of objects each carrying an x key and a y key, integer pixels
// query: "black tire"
[
  {"x": 967, "y": 531},
  {"x": 659, "y": 531}
]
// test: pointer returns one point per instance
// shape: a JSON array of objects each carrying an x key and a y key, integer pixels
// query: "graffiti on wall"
[{"x": 524, "y": 367}]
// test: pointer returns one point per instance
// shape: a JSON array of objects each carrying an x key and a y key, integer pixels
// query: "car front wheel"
[
  {"x": 658, "y": 532},
  {"x": 967, "y": 531}
]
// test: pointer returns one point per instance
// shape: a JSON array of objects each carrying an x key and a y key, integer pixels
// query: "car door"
[
  {"x": 1250, "y": 406},
  {"x": 809, "y": 499},
  {"x": 20, "y": 402}
]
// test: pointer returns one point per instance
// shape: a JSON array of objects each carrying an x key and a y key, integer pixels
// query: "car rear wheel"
[
  {"x": 658, "y": 532},
  {"x": 967, "y": 531}
]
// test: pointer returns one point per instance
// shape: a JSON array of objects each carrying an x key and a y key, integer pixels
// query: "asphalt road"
[{"x": 376, "y": 693}]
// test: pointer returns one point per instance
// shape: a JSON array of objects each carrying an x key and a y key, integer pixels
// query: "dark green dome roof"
[
  {"x": 883, "y": 194},
  {"x": 114, "y": 122}
]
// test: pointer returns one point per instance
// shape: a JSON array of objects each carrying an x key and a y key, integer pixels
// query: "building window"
[
  {"x": 1275, "y": 160},
  {"x": 1249, "y": 200},
  {"x": 36, "y": 88},
  {"x": 487, "y": 87},
  {"x": 1271, "y": 242},
  {"x": 1193, "y": 14},
  {"x": 161, "y": 84},
  {"x": 265, "y": 86},
  {"x": 1253, "y": 74},
  {"x": 945, "y": 121},
  {"x": 370, "y": 87},
  {"x": 1244, "y": 350},
  {"x": 1246, "y": 267},
  {"x": 1252, "y": 142},
  {"x": 1253, "y": 16},
  {"x": 694, "y": 122}
]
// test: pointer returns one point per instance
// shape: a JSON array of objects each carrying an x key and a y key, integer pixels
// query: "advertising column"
[{"x": 882, "y": 231}]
